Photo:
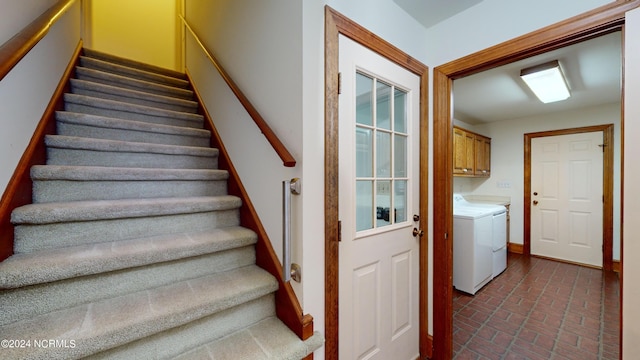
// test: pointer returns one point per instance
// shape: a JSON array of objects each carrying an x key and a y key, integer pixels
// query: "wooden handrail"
[
  {"x": 272, "y": 138},
  {"x": 12, "y": 51}
]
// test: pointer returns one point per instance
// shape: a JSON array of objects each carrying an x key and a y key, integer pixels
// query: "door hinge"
[
  {"x": 339, "y": 230},
  {"x": 446, "y": 235},
  {"x": 339, "y": 83}
]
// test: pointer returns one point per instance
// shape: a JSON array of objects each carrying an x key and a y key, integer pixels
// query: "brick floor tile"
[{"x": 540, "y": 309}]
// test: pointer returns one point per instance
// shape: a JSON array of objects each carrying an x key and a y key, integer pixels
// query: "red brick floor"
[{"x": 540, "y": 309}]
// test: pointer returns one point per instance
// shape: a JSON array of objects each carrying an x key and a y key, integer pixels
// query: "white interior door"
[
  {"x": 567, "y": 197},
  {"x": 379, "y": 192}
]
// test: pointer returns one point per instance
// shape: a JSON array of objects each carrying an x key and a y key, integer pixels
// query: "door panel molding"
[
  {"x": 605, "y": 19},
  {"x": 607, "y": 187},
  {"x": 336, "y": 24}
]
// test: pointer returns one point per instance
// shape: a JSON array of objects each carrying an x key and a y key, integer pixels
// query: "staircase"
[{"x": 132, "y": 248}]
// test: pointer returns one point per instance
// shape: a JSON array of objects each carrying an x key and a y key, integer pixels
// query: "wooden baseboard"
[
  {"x": 19, "y": 189},
  {"x": 515, "y": 248}
]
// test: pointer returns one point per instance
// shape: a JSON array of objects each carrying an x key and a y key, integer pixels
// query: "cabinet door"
[
  {"x": 470, "y": 166},
  {"x": 482, "y": 148},
  {"x": 459, "y": 151}
]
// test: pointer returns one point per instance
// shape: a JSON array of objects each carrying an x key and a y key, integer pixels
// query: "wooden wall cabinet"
[{"x": 471, "y": 154}]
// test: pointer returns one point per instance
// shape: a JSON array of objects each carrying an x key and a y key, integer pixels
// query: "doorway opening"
[{"x": 601, "y": 21}]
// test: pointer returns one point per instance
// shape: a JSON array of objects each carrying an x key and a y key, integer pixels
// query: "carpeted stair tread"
[
  {"x": 267, "y": 339},
  {"x": 132, "y": 63},
  {"x": 127, "y": 111},
  {"x": 87, "y": 125},
  {"x": 78, "y": 211},
  {"x": 90, "y": 88},
  {"x": 105, "y": 324},
  {"x": 180, "y": 340},
  {"x": 102, "y": 173},
  {"x": 58, "y": 264},
  {"x": 29, "y": 301},
  {"x": 133, "y": 72},
  {"x": 60, "y": 183},
  {"x": 130, "y": 83},
  {"x": 74, "y": 142}
]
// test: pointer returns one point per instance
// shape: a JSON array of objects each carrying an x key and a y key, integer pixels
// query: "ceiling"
[{"x": 592, "y": 68}]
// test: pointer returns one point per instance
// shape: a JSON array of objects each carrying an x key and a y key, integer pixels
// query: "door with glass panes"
[{"x": 379, "y": 192}]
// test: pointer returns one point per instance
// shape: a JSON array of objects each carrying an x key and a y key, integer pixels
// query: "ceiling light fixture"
[{"x": 546, "y": 81}]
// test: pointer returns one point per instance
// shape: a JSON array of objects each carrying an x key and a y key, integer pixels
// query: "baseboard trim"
[
  {"x": 515, "y": 248},
  {"x": 19, "y": 188}
]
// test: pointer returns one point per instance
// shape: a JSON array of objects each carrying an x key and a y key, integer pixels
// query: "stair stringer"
[{"x": 288, "y": 308}]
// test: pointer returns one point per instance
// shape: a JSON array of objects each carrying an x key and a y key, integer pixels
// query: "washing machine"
[{"x": 480, "y": 244}]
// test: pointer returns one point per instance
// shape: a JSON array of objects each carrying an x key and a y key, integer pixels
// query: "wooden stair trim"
[
  {"x": 19, "y": 189},
  {"x": 288, "y": 307}
]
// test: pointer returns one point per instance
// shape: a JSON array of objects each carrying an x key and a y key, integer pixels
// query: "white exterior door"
[
  {"x": 379, "y": 192},
  {"x": 567, "y": 197}
]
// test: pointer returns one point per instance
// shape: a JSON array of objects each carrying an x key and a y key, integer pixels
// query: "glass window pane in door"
[
  {"x": 400, "y": 156},
  {"x": 383, "y": 106},
  {"x": 400, "y": 200},
  {"x": 364, "y": 152},
  {"x": 364, "y": 99},
  {"x": 383, "y": 154},
  {"x": 384, "y": 213},
  {"x": 400, "y": 111},
  {"x": 364, "y": 205}
]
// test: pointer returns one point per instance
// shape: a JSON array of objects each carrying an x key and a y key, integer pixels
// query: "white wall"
[
  {"x": 631, "y": 210},
  {"x": 142, "y": 30},
  {"x": 494, "y": 21},
  {"x": 259, "y": 44},
  {"x": 507, "y": 159},
  {"x": 27, "y": 89}
]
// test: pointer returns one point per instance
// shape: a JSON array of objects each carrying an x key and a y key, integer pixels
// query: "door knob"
[
  {"x": 417, "y": 232},
  {"x": 535, "y": 202}
]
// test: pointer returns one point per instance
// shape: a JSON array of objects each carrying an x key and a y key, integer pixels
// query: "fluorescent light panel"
[{"x": 546, "y": 81}]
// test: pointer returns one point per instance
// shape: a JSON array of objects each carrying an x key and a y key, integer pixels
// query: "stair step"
[
  {"x": 27, "y": 302},
  {"x": 132, "y": 72},
  {"x": 55, "y": 183},
  {"x": 176, "y": 341},
  {"x": 121, "y": 110},
  {"x": 267, "y": 339},
  {"x": 58, "y": 264},
  {"x": 95, "y": 89},
  {"x": 133, "y": 84},
  {"x": 78, "y": 151},
  {"x": 64, "y": 224},
  {"x": 102, "y": 127},
  {"x": 113, "y": 322},
  {"x": 132, "y": 63}
]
